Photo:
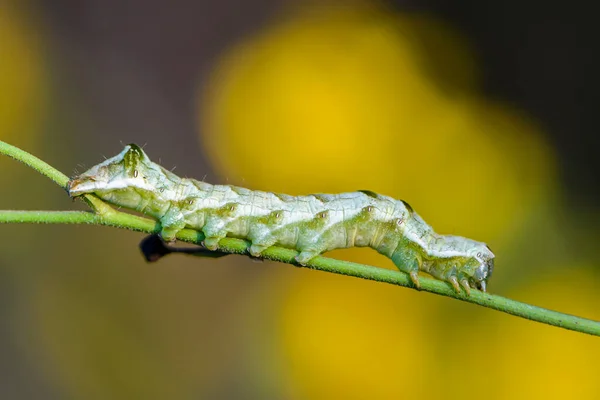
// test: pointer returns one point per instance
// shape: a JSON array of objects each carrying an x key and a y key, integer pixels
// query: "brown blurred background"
[{"x": 481, "y": 115}]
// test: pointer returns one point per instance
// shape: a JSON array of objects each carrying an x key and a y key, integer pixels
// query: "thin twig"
[{"x": 106, "y": 215}]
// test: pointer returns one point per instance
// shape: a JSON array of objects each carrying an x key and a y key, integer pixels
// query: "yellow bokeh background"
[
  {"x": 340, "y": 101},
  {"x": 350, "y": 339}
]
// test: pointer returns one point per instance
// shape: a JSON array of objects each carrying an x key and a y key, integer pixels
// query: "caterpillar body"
[{"x": 310, "y": 224}]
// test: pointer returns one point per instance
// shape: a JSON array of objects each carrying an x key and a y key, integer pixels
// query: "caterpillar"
[{"x": 311, "y": 224}]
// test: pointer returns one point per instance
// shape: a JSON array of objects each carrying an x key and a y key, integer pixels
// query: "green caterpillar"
[{"x": 310, "y": 224}]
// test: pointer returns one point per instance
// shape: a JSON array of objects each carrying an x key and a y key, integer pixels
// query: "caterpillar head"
[
  {"x": 485, "y": 266},
  {"x": 120, "y": 179}
]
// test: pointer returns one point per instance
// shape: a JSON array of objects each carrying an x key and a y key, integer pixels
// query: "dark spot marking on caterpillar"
[
  {"x": 399, "y": 221},
  {"x": 200, "y": 185},
  {"x": 369, "y": 193},
  {"x": 229, "y": 208},
  {"x": 181, "y": 204},
  {"x": 133, "y": 156},
  {"x": 367, "y": 210},
  {"x": 135, "y": 173},
  {"x": 135, "y": 148},
  {"x": 274, "y": 218},
  {"x": 408, "y": 207},
  {"x": 190, "y": 201},
  {"x": 323, "y": 214},
  {"x": 239, "y": 190},
  {"x": 281, "y": 197},
  {"x": 322, "y": 198}
]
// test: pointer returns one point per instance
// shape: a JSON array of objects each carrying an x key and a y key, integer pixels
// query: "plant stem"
[
  {"x": 106, "y": 215},
  {"x": 32, "y": 161}
]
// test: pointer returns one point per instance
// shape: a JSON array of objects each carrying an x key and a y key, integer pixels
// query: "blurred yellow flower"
[
  {"x": 345, "y": 99},
  {"x": 344, "y": 338},
  {"x": 519, "y": 359}
]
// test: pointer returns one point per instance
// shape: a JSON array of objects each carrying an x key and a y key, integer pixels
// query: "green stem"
[
  {"x": 106, "y": 215},
  {"x": 32, "y": 161}
]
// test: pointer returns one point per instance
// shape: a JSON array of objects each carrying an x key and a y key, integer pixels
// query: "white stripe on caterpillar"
[{"x": 310, "y": 224}]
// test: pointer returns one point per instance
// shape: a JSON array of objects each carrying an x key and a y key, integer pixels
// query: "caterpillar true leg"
[
  {"x": 454, "y": 282},
  {"x": 465, "y": 284}
]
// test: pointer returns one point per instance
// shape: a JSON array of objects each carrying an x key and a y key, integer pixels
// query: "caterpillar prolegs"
[{"x": 310, "y": 224}]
